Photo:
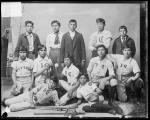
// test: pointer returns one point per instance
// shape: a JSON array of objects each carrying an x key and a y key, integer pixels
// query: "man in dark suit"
[
  {"x": 73, "y": 44},
  {"x": 30, "y": 40},
  {"x": 123, "y": 40}
]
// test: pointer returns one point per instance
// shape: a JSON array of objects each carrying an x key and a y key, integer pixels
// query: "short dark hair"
[
  {"x": 123, "y": 27},
  {"x": 28, "y": 21},
  {"x": 41, "y": 47},
  {"x": 68, "y": 56},
  {"x": 127, "y": 46},
  {"x": 23, "y": 48},
  {"x": 55, "y": 21},
  {"x": 103, "y": 46},
  {"x": 84, "y": 74},
  {"x": 98, "y": 20},
  {"x": 73, "y": 20}
]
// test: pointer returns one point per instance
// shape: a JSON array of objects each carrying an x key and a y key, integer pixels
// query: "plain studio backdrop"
[{"x": 115, "y": 15}]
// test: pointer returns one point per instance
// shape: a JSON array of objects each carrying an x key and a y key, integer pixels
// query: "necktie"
[
  {"x": 123, "y": 39},
  {"x": 56, "y": 39}
]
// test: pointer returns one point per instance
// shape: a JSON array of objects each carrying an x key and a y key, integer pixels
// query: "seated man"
[
  {"x": 22, "y": 75},
  {"x": 42, "y": 94},
  {"x": 128, "y": 74},
  {"x": 92, "y": 94},
  {"x": 71, "y": 72},
  {"x": 42, "y": 66},
  {"x": 97, "y": 69}
]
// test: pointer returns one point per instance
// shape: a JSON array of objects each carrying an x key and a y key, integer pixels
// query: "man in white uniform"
[
  {"x": 128, "y": 74},
  {"x": 71, "y": 72},
  {"x": 97, "y": 71},
  {"x": 100, "y": 37},
  {"x": 22, "y": 75},
  {"x": 42, "y": 94},
  {"x": 42, "y": 66}
]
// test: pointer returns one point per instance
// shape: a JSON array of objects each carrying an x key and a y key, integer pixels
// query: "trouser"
[
  {"x": 67, "y": 87},
  {"x": 103, "y": 108},
  {"x": 23, "y": 85},
  {"x": 54, "y": 55},
  {"x": 102, "y": 82},
  {"x": 126, "y": 90},
  {"x": 19, "y": 102}
]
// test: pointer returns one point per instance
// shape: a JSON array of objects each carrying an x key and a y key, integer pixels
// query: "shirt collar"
[
  {"x": 100, "y": 32},
  {"x": 69, "y": 66},
  {"x": 27, "y": 34},
  {"x": 58, "y": 32},
  {"x": 72, "y": 32},
  {"x": 40, "y": 59},
  {"x": 22, "y": 60}
]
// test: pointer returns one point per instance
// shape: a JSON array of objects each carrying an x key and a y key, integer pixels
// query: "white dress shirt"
[
  {"x": 72, "y": 34},
  {"x": 51, "y": 39},
  {"x": 30, "y": 40}
]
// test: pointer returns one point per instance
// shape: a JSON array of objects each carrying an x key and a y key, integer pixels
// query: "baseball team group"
[{"x": 41, "y": 72}]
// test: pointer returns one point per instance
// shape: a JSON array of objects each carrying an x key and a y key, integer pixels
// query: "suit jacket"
[
  {"x": 23, "y": 41},
  {"x": 75, "y": 48},
  {"x": 118, "y": 45}
]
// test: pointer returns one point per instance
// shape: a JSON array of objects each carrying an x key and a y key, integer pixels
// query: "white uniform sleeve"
[
  {"x": 108, "y": 35},
  {"x": 79, "y": 95},
  {"x": 90, "y": 66},
  {"x": 50, "y": 62},
  {"x": 63, "y": 72},
  {"x": 76, "y": 73},
  {"x": 48, "y": 44},
  {"x": 13, "y": 65},
  {"x": 108, "y": 38},
  {"x": 35, "y": 66},
  {"x": 31, "y": 64},
  {"x": 92, "y": 42},
  {"x": 114, "y": 57},
  {"x": 94, "y": 87},
  {"x": 136, "y": 68}
]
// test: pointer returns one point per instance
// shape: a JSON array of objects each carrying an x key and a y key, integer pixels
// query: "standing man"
[
  {"x": 122, "y": 40},
  {"x": 53, "y": 42},
  {"x": 101, "y": 36},
  {"x": 30, "y": 40},
  {"x": 73, "y": 44}
]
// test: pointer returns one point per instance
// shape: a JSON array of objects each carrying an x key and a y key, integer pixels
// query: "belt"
[
  {"x": 97, "y": 78},
  {"x": 23, "y": 76}
]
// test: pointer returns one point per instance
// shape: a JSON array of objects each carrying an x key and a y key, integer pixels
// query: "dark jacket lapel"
[
  {"x": 27, "y": 42},
  {"x": 75, "y": 39}
]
